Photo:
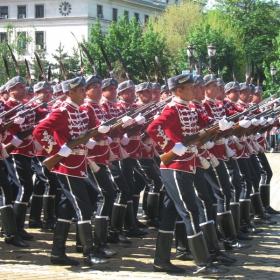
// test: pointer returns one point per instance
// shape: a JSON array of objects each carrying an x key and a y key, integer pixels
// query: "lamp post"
[
  {"x": 273, "y": 71},
  {"x": 211, "y": 49},
  {"x": 190, "y": 53}
]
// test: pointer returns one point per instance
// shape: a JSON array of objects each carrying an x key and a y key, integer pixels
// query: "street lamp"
[
  {"x": 273, "y": 71},
  {"x": 190, "y": 53},
  {"x": 211, "y": 49}
]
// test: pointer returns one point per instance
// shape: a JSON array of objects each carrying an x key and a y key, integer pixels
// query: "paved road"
[{"x": 261, "y": 261}]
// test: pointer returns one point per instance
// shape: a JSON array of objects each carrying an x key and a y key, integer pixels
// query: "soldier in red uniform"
[
  {"x": 9, "y": 226},
  {"x": 217, "y": 176},
  {"x": 123, "y": 204},
  {"x": 169, "y": 130},
  {"x": 46, "y": 183},
  {"x": 4, "y": 93},
  {"x": 63, "y": 124},
  {"x": 19, "y": 162}
]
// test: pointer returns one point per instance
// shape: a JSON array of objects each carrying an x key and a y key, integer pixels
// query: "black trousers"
[
  {"x": 6, "y": 191},
  {"x": 74, "y": 199},
  {"x": 20, "y": 176},
  {"x": 103, "y": 186},
  {"x": 119, "y": 182},
  {"x": 204, "y": 199},
  {"x": 180, "y": 199},
  {"x": 148, "y": 170},
  {"x": 266, "y": 172},
  {"x": 218, "y": 178},
  {"x": 46, "y": 182},
  {"x": 257, "y": 172},
  {"x": 235, "y": 180}
]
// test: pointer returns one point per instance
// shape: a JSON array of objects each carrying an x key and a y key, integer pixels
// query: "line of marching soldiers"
[{"x": 89, "y": 151}]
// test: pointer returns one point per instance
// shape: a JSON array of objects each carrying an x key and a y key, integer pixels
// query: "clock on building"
[{"x": 65, "y": 8}]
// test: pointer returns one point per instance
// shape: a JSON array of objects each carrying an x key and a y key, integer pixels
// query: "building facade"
[{"x": 51, "y": 22}]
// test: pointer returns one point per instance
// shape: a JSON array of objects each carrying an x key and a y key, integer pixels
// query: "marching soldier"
[
  {"x": 65, "y": 123},
  {"x": 168, "y": 130},
  {"x": 19, "y": 162},
  {"x": 4, "y": 93}
]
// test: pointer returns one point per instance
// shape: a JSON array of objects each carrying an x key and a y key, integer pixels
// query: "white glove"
[
  {"x": 209, "y": 145},
  {"x": 126, "y": 120},
  {"x": 224, "y": 124},
  {"x": 19, "y": 120},
  {"x": 258, "y": 135},
  {"x": 262, "y": 121},
  {"x": 255, "y": 122},
  {"x": 64, "y": 151},
  {"x": 103, "y": 128},
  {"x": 90, "y": 144},
  {"x": 245, "y": 123},
  {"x": 140, "y": 119},
  {"x": 16, "y": 141},
  {"x": 179, "y": 149},
  {"x": 270, "y": 120},
  {"x": 156, "y": 116},
  {"x": 125, "y": 140},
  {"x": 1, "y": 120},
  {"x": 109, "y": 140}
]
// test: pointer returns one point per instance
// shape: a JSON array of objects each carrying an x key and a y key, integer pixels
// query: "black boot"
[
  {"x": 245, "y": 224},
  {"x": 58, "y": 255},
  {"x": 226, "y": 225},
  {"x": 49, "y": 220},
  {"x": 162, "y": 193},
  {"x": 135, "y": 200},
  {"x": 117, "y": 223},
  {"x": 183, "y": 251},
  {"x": 20, "y": 214},
  {"x": 258, "y": 211},
  {"x": 132, "y": 230},
  {"x": 265, "y": 197},
  {"x": 79, "y": 247},
  {"x": 10, "y": 228},
  {"x": 35, "y": 212},
  {"x": 90, "y": 257},
  {"x": 235, "y": 211},
  {"x": 163, "y": 250},
  {"x": 144, "y": 205},
  {"x": 152, "y": 209},
  {"x": 211, "y": 240},
  {"x": 202, "y": 257},
  {"x": 100, "y": 238}
]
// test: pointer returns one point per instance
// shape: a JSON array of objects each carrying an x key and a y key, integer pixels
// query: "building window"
[
  {"x": 126, "y": 15},
  {"x": 115, "y": 14},
  {"x": 21, "y": 36},
  {"x": 39, "y": 40},
  {"x": 21, "y": 11},
  {"x": 3, "y": 38},
  {"x": 136, "y": 15},
  {"x": 3, "y": 12},
  {"x": 100, "y": 11},
  {"x": 146, "y": 18},
  {"x": 39, "y": 11}
]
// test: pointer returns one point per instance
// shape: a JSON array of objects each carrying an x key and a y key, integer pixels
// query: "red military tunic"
[
  {"x": 3, "y": 135},
  {"x": 134, "y": 147},
  {"x": 101, "y": 152},
  {"x": 113, "y": 111},
  {"x": 176, "y": 122},
  {"x": 27, "y": 148},
  {"x": 200, "y": 109},
  {"x": 217, "y": 112},
  {"x": 63, "y": 124}
]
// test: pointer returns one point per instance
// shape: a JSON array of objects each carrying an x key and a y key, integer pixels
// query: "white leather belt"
[
  {"x": 242, "y": 138},
  {"x": 79, "y": 152},
  {"x": 220, "y": 141},
  {"x": 103, "y": 143}
]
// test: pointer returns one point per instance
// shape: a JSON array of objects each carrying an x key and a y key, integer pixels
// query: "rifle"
[
  {"x": 18, "y": 107},
  {"x": 50, "y": 162},
  {"x": 24, "y": 113}
]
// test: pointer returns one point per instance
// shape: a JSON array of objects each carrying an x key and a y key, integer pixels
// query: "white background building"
[{"x": 51, "y": 22}]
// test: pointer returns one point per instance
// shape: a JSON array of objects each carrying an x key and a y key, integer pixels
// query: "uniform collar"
[
  {"x": 241, "y": 102},
  {"x": 210, "y": 99},
  {"x": 181, "y": 101},
  {"x": 230, "y": 101},
  {"x": 105, "y": 100},
  {"x": 91, "y": 101},
  {"x": 15, "y": 100},
  {"x": 73, "y": 104},
  {"x": 122, "y": 101},
  {"x": 197, "y": 101}
]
